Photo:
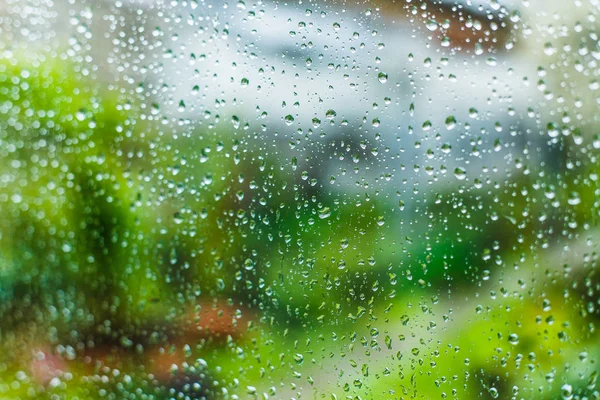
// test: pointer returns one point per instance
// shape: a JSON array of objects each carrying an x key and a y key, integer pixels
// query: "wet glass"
[{"x": 294, "y": 200}]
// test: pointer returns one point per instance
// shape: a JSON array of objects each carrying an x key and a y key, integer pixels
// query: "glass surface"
[{"x": 295, "y": 200}]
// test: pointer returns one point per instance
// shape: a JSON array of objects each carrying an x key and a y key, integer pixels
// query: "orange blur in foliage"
[{"x": 213, "y": 322}]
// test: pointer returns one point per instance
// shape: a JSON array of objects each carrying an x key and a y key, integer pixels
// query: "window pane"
[{"x": 234, "y": 199}]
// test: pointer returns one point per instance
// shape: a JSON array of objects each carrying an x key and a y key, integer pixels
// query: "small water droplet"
[
  {"x": 325, "y": 212},
  {"x": 566, "y": 391},
  {"x": 460, "y": 173},
  {"x": 235, "y": 121},
  {"x": 574, "y": 198},
  {"x": 549, "y": 49},
  {"x": 450, "y": 122},
  {"x": 494, "y": 393},
  {"x": 432, "y": 25},
  {"x": 177, "y": 218},
  {"x": 248, "y": 264},
  {"x": 299, "y": 358}
]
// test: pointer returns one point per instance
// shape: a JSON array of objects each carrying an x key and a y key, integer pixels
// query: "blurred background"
[{"x": 229, "y": 199}]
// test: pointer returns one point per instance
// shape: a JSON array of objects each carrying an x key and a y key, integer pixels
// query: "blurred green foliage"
[{"x": 121, "y": 240}]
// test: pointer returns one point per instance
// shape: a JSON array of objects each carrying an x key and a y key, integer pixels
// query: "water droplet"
[
  {"x": 546, "y": 305},
  {"x": 235, "y": 121},
  {"x": 460, "y": 173},
  {"x": 566, "y": 391},
  {"x": 299, "y": 358},
  {"x": 574, "y": 198},
  {"x": 549, "y": 49},
  {"x": 248, "y": 264},
  {"x": 432, "y": 25},
  {"x": 450, "y": 122},
  {"x": 553, "y": 130},
  {"x": 325, "y": 212},
  {"x": 177, "y": 218}
]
